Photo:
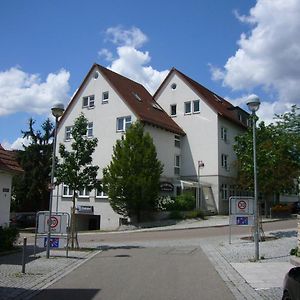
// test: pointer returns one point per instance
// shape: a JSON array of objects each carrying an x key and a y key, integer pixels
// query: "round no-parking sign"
[{"x": 55, "y": 223}]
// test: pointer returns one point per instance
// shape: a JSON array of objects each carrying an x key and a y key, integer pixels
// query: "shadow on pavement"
[
  {"x": 57, "y": 294},
  {"x": 15, "y": 258},
  {"x": 284, "y": 234},
  {"x": 108, "y": 247}
]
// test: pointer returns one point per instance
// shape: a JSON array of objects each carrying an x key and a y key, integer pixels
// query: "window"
[
  {"x": 173, "y": 86},
  {"x": 196, "y": 106},
  {"x": 105, "y": 96},
  {"x": 177, "y": 141},
  {"x": 68, "y": 133},
  {"x": 231, "y": 190},
  {"x": 83, "y": 193},
  {"x": 187, "y": 107},
  {"x": 224, "y": 161},
  {"x": 173, "y": 110},
  {"x": 89, "y": 131},
  {"x": 224, "y": 191},
  {"x": 123, "y": 123},
  {"x": 88, "y": 101},
  {"x": 67, "y": 192},
  {"x": 177, "y": 165},
  {"x": 224, "y": 134}
]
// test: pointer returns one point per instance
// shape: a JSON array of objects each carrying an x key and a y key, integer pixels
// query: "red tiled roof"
[
  {"x": 217, "y": 103},
  {"x": 137, "y": 98},
  {"x": 8, "y": 161}
]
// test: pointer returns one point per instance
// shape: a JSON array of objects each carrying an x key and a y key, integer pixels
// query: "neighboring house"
[
  {"x": 199, "y": 125},
  {"x": 211, "y": 124},
  {"x": 8, "y": 168},
  {"x": 111, "y": 103}
]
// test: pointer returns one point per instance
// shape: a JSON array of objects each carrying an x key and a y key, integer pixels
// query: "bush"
[
  {"x": 185, "y": 201},
  {"x": 176, "y": 215},
  {"x": 282, "y": 208},
  {"x": 194, "y": 214},
  {"x": 8, "y": 237},
  {"x": 294, "y": 251},
  {"x": 164, "y": 203}
]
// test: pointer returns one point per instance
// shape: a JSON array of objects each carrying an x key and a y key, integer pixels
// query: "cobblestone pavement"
[{"x": 40, "y": 272}]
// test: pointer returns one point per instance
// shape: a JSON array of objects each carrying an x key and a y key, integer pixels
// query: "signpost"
[
  {"x": 241, "y": 212},
  {"x": 59, "y": 225}
]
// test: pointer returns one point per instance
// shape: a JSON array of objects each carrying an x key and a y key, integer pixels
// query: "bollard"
[{"x": 23, "y": 254}]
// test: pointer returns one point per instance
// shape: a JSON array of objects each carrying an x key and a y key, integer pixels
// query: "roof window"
[
  {"x": 136, "y": 96},
  {"x": 217, "y": 98},
  {"x": 156, "y": 105}
]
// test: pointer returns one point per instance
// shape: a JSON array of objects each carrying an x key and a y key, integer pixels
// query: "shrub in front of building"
[{"x": 8, "y": 237}]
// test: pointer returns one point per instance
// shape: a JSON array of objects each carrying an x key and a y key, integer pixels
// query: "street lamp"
[
  {"x": 200, "y": 166},
  {"x": 57, "y": 111},
  {"x": 253, "y": 105}
]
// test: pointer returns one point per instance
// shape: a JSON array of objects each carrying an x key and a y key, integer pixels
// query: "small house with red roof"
[
  {"x": 187, "y": 122},
  {"x": 8, "y": 167}
]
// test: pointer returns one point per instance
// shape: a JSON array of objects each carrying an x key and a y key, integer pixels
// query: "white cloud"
[
  {"x": 17, "y": 144},
  {"x": 133, "y": 37},
  {"x": 106, "y": 54},
  {"x": 24, "y": 92},
  {"x": 130, "y": 61},
  {"x": 269, "y": 56}
]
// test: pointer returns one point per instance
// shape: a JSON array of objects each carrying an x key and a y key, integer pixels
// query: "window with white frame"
[
  {"x": 100, "y": 193},
  {"x": 224, "y": 191},
  {"x": 89, "y": 131},
  {"x": 88, "y": 101},
  {"x": 196, "y": 106},
  {"x": 177, "y": 141},
  {"x": 224, "y": 161},
  {"x": 123, "y": 123},
  {"x": 173, "y": 110},
  {"x": 177, "y": 165},
  {"x": 187, "y": 107},
  {"x": 105, "y": 96},
  {"x": 67, "y": 192},
  {"x": 84, "y": 193},
  {"x": 68, "y": 133},
  {"x": 224, "y": 134}
]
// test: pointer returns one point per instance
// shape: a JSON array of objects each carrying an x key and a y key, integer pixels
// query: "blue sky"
[{"x": 232, "y": 47}]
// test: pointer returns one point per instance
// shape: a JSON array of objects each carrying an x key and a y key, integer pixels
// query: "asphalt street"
[{"x": 125, "y": 273}]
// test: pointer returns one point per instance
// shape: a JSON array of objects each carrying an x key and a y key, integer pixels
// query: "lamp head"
[
  {"x": 253, "y": 103},
  {"x": 58, "y": 110}
]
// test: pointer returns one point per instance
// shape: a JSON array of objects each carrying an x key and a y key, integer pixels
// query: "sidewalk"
[
  {"x": 40, "y": 272},
  {"x": 246, "y": 280}
]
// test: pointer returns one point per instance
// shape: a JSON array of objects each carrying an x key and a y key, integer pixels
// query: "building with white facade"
[
  {"x": 187, "y": 122},
  {"x": 8, "y": 168}
]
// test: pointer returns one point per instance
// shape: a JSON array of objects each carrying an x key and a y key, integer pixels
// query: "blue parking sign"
[
  {"x": 54, "y": 242},
  {"x": 242, "y": 221}
]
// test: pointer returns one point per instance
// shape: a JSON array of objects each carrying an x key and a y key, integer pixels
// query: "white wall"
[
  {"x": 5, "y": 198},
  {"x": 201, "y": 140},
  {"x": 166, "y": 151}
]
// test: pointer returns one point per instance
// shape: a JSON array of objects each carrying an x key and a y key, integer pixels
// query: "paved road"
[
  {"x": 142, "y": 273},
  {"x": 186, "y": 234}
]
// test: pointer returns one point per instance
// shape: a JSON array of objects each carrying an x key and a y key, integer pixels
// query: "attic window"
[
  {"x": 217, "y": 98},
  {"x": 156, "y": 105},
  {"x": 137, "y": 97},
  {"x": 173, "y": 86},
  {"x": 96, "y": 75}
]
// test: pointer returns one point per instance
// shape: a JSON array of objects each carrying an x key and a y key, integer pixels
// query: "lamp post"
[
  {"x": 57, "y": 112},
  {"x": 253, "y": 105},
  {"x": 200, "y": 166}
]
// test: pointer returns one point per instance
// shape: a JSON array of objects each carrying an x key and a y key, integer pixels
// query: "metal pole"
[
  {"x": 256, "y": 212},
  {"x": 24, "y": 254},
  {"x": 51, "y": 189},
  {"x": 198, "y": 202}
]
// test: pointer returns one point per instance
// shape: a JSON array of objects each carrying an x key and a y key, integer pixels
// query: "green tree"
[
  {"x": 30, "y": 190},
  {"x": 278, "y": 158},
  {"x": 76, "y": 169},
  {"x": 132, "y": 177}
]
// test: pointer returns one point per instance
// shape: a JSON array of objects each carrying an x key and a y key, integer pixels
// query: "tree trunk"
[{"x": 73, "y": 221}]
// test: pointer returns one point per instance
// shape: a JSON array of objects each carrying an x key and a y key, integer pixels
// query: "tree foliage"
[
  {"x": 132, "y": 177},
  {"x": 30, "y": 190},
  {"x": 278, "y": 155},
  {"x": 76, "y": 169}
]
